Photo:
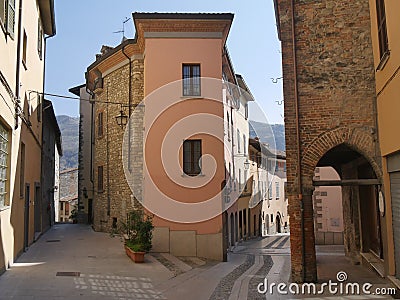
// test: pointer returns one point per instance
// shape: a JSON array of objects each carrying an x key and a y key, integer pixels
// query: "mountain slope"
[
  {"x": 273, "y": 134},
  {"x": 69, "y": 127}
]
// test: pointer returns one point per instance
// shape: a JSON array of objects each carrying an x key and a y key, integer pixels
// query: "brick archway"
[
  {"x": 355, "y": 138},
  {"x": 361, "y": 140}
]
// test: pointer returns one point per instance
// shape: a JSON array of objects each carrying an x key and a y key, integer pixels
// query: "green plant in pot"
[{"x": 139, "y": 233}]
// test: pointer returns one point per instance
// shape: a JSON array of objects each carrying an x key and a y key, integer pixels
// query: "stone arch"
[{"x": 356, "y": 138}]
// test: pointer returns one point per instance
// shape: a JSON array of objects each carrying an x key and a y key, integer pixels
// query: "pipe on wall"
[{"x": 299, "y": 181}]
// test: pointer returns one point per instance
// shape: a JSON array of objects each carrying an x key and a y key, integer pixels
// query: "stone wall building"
[{"x": 330, "y": 117}]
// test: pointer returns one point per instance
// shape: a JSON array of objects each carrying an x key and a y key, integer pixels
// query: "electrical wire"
[{"x": 78, "y": 98}]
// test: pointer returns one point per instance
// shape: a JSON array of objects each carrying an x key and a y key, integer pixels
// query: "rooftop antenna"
[{"x": 123, "y": 28}]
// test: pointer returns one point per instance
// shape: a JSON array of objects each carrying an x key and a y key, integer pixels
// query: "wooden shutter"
[{"x": 11, "y": 18}]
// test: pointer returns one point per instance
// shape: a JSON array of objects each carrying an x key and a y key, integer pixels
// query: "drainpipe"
[
  {"x": 129, "y": 108},
  {"x": 18, "y": 66},
  {"x": 108, "y": 162},
  {"x": 296, "y": 101},
  {"x": 91, "y": 131}
]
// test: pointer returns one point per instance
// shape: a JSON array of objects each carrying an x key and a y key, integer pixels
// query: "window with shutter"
[
  {"x": 3, "y": 9},
  {"x": 11, "y": 18},
  {"x": 382, "y": 30},
  {"x": 40, "y": 39},
  {"x": 191, "y": 157}
]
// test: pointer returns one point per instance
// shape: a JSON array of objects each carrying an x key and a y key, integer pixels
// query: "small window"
[
  {"x": 3, "y": 10},
  {"x": 228, "y": 126},
  {"x": 244, "y": 144},
  {"x": 277, "y": 190},
  {"x": 61, "y": 205},
  {"x": 270, "y": 192},
  {"x": 191, "y": 79},
  {"x": 4, "y": 165},
  {"x": 100, "y": 184},
  {"x": 39, "y": 107},
  {"x": 324, "y": 194},
  {"x": 382, "y": 30},
  {"x": 191, "y": 157},
  {"x": 100, "y": 124},
  {"x": 40, "y": 39},
  {"x": 238, "y": 140},
  {"x": 22, "y": 171},
  {"x": 7, "y": 16},
  {"x": 24, "y": 50}
]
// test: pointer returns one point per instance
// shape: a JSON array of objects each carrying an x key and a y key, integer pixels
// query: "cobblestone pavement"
[{"x": 224, "y": 288}]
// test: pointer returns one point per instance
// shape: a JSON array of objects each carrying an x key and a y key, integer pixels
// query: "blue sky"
[{"x": 84, "y": 26}]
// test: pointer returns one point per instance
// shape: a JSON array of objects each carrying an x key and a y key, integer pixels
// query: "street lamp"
[{"x": 122, "y": 119}]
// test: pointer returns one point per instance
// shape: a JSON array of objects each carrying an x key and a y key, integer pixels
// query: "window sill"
[
  {"x": 191, "y": 176},
  {"x": 192, "y": 97},
  {"x": 383, "y": 61}
]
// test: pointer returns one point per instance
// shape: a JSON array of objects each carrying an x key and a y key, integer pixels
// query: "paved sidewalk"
[
  {"x": 98, "y": 268},
  {"x": 105, "y": 270}
]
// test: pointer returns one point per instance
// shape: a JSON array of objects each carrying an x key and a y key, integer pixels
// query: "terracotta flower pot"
[{"x": 137, "y": 257}]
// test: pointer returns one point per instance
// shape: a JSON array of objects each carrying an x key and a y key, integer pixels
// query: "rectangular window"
[
  {"x": 3, "y": 164},
  {"x": 100, "y": 184},
  {"x": 100, "y": 124},
  {"x": 61, "y": 205},
  {"x": 24, "y": 50},
  {"x": 240, "y": 180},
  {"x": 22, "y": 172},
  {"x": 191, "y": 79},
  {"x": 277, "y": 190},
  {"x": 238, "y": 140},
  {"x": 7, "y": 16},
  {"x": 270, "y": 192},
  {"x": 382, "y": 30},
  {"x": 191, "y": 157},
  {"x": 40, "y": 39},
  {"x": 39, "y": 107},
  {"x": 3, "y": 10},
  {"x": 285, "y": 189},
  {"x": 244, "y": 144}
]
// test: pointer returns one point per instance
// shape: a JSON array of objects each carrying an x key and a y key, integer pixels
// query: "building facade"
[
  {"x": 85, "y": 155},
  {"x": 386, "y": 53},
  {"x": 275, "y": 217},
  {"x": 68, "y": 201},
  {"x": 328, "y": 209},
  {"x": 330, "y": 120},
  {"x": 22, "y": 52},
  {"x": 45, "y": 209},
  {"x": 183, "y": 57}
]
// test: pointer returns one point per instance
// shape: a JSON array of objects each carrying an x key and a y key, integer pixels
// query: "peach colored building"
[
  {"x": 176, "y": 81},
  {"x": 328, "y": 209}
]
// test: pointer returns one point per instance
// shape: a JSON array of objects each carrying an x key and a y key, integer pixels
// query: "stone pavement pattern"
[{"x": 105, "y": 272}]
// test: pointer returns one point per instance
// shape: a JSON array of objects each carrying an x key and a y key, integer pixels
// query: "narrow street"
[{"x": 74, "y": 262}]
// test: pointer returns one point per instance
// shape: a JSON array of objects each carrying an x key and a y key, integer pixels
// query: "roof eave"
[{"x": 47, "y": 14}]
